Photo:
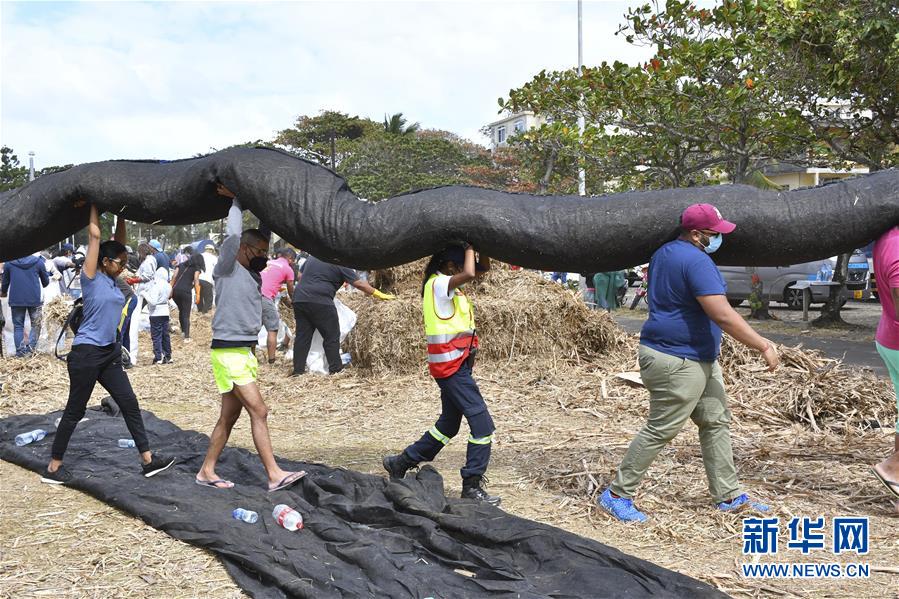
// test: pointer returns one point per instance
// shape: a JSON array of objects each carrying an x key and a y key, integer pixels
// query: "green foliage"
[
  {"x": 840, "y": 67},
  {"x": 314, "y": 137},
  {"x": 396, "y": 125},
  {"x": 11, "y": 174},
  {"x": 385, "y": 165},
  {"x": 702, "y": 106}
]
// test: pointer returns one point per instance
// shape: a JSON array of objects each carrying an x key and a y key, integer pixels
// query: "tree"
[
  {"x": 396, "y": 125},
  {"x": 842, "y": 72},
  {"x": 385, "y": 165},
  {"x": 11, "y": 174},
  {"x": 327, "y": 138}
]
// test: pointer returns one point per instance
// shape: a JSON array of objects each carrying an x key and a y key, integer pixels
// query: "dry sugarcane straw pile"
[
  {"x": 804, "y": 438},
  {"x": 516, "y": 313},
  {"x": 56, "y": 311},
  {"x": 520, "y": 314}
]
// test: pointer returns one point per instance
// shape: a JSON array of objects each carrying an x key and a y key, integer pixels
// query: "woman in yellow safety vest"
[{"x": 452, "y": 345}]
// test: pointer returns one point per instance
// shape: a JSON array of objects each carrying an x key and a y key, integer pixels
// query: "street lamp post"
[{"x": 581, "y": 124}]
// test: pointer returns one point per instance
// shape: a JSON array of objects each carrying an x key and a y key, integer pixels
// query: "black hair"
[
  {"x": 252, "y": 236},
  {"x": 196, "y": 260},
  {"x": 188, "y": 250},
  {"x": 436, "y": 263},
  {"x": 287, "y": 253},
  {"x": 110, "y": 250}
]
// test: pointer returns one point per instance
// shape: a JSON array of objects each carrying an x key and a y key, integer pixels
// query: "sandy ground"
[{"x": 552, "y": 424}]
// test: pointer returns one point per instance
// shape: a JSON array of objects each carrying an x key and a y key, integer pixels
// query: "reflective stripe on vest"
[{"x": 449, "y": 339}]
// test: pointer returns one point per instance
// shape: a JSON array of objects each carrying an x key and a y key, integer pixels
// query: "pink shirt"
[
  {"x": 886, "y": 273},
  {"x": 275, "y": 274}
]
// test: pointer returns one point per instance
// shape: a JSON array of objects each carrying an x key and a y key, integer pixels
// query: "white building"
[
  {"x": 790, "y": 176},
  {"x": 501, "y": 130}
]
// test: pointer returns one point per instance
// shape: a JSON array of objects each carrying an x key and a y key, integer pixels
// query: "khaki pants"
[{"x": 680, "y": 389}]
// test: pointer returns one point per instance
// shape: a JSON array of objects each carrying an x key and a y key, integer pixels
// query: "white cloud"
[{"x": 94, "y": 81}]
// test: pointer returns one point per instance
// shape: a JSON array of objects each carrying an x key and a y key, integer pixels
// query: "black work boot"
[
  {"x": 472, "y": 489},
  {"x": 396, "y": 465}
]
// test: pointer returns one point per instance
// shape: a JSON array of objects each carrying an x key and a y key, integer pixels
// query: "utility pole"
[{"x": 581, "y": 124}]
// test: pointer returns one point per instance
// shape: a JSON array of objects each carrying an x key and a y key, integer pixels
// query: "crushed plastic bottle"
[
  {"x": 287, "y": 517},
  {"x": 246, "y": 515},
  {"x": 30, "y": 437},
  {"x": 126, "y": 443}
]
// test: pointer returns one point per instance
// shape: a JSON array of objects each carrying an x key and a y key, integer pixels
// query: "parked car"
[{"x": 776, "y": 280}]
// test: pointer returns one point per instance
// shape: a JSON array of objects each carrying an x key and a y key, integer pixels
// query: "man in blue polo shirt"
[{"x": 679, "y": 347}]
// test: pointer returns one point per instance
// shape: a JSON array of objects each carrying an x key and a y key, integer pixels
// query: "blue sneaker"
[
  {"x": 623, "y": 509},
  {"x": 741, "y": 501}
]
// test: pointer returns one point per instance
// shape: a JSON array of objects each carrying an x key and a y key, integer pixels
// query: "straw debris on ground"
[{"x": 804, "y": 438}]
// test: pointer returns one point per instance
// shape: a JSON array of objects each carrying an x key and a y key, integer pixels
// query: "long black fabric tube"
[
  {"x": 363, "y": 535},
  {"x": 313, "y": 208}
]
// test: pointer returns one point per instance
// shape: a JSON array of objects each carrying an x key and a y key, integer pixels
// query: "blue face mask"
[{"x": 714, "y": 243}]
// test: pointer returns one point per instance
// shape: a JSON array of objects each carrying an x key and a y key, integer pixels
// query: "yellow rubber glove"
[{"x": 383, "y": 296}]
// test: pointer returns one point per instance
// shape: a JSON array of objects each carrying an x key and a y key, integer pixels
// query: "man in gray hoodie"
[
  {"x": 235, "y": 328},
  {"x": 22, "y": 280}
]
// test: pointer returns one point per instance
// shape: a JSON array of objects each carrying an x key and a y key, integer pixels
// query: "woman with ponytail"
[
  {"x": 452, "y": 345},
  {"x": 96, "y": 356}
]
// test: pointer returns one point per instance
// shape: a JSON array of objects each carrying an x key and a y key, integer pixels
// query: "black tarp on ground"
[
  {"x": 363, "y": 536},
  {"x": 314, "y": 209}
]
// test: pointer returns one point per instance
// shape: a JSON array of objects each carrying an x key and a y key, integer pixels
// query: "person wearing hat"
[
  {"x": 678, "y": 357},
  {"x": 162, "y": 259},
  {"x": 452, "y": 345}
]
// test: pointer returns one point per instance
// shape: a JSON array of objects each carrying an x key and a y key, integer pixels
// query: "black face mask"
[{"x": 258, "y": 263}]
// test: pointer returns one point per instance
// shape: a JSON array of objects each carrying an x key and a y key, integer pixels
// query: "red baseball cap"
[{"x": 705, "y": 216}]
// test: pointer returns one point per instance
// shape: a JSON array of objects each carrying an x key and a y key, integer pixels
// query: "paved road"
[{"x": 851, "y": 352}]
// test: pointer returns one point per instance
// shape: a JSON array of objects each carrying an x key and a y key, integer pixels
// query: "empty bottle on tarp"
[
  {"x": 245, "y": 515},
  {"x": 126, "y": 443},
  {"x": 30, "y": 437},
  {"x": 287, "y": 517}
]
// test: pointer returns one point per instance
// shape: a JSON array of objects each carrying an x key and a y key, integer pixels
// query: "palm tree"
[{"x": 396, "y": 125}]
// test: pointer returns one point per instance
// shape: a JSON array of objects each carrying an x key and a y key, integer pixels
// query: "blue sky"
[{"x": 93, "y": 81}]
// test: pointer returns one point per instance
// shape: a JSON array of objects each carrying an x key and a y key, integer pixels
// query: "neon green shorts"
[{"x": 233, "y": 366}]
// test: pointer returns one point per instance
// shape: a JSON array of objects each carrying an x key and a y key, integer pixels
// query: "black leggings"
[
  {"x": 88, "y": 365},
  {"x": 184, "y": 302},
  {"x": 312, "y": 317}
]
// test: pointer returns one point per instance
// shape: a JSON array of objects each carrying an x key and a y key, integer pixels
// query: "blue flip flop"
[{"x": 287, "y": 481}]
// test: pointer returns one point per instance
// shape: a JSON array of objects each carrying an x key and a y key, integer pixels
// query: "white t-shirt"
[
  {"x": 443, "y": 296},
  {"x": 209, "y": 260}
]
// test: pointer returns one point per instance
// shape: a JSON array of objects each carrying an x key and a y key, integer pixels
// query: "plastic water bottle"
[
  {"x": 126, "y": 443},
  {"x": 30, "y": 437},
  {"x": 245, "y": 515},
  {"x": 287, "y": 517}
]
